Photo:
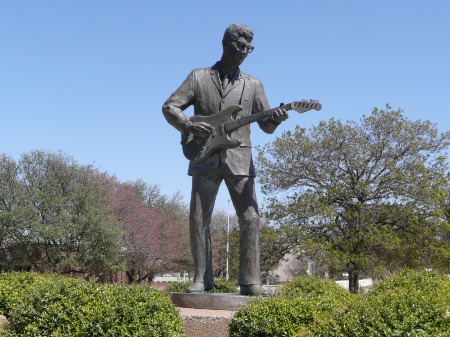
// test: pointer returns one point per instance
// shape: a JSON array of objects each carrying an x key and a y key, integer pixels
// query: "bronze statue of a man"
[{"x": 211, "y": 90}]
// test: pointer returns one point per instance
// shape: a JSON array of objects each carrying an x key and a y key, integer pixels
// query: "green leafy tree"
[
  {"x": 276, "y": 243},
  {"x": 219, "y": 240},
  {"x": 445, "y": 238},
  {"x": 56, "y": 216},
  {"x": 12, "y": 213},
  {"x": 364, "y": 195},
  {"x": 233, "y": 254}
]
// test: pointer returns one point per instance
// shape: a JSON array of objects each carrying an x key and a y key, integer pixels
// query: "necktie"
[{"x": 225, "y": 82}]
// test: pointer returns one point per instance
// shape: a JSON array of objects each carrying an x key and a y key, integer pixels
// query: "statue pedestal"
[{"x": 212, "y": 301}]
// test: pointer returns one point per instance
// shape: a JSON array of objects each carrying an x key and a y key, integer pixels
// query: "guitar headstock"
[{"x": 302, "y": 106}]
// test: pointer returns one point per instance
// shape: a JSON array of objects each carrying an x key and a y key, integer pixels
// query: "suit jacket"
[{"x": 202, "y": 89}]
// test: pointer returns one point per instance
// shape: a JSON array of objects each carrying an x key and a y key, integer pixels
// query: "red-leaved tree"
[{"x": 150, "y": 235}]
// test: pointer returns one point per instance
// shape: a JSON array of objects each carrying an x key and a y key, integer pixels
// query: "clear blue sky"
[{"x": 89, "y": 77}]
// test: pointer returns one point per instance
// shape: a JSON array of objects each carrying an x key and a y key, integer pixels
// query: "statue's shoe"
[
  {"x": 198, "y": 287},
  {"x": 253, "y": 289}
]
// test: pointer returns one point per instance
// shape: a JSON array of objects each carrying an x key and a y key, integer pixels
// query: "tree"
[
  {"x": 177, "y": 213},
  {"x": 444, "y": 235},
  {"x": 55, "y": 216},
  {"x": 11, "y": 202},
  {"x": 59, "y": 216},
  {"x": 363, "y": 195},
  {"x": 219, "y": 241},
  {"x": 151, "y": 195},
  {"x": 276, "y": 243},
  {"x": 151, "y": 235}
]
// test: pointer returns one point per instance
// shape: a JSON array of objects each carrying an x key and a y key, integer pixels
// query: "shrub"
[
  {"x": 407, "y": 304},
  {"x": 12, "y": 287},
  {"x": 313, "y": 286},
  {"x": 220, "y": 286},
  {"x": 272, "y": 316},
  {"x": 178, "y": 287},
  {"x": 292, "y": 311},
  {"x": 57, "y": 306}
]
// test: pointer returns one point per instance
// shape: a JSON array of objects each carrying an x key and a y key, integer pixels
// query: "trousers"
[{"x": 243, "y": 196}]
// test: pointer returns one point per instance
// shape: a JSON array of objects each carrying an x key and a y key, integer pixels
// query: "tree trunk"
[
  {"x": 131, "y": 276},
  {"x": 353, "y": 281}
]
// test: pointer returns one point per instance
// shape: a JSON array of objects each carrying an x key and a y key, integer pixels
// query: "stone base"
[{"x": 212, "y": 301}]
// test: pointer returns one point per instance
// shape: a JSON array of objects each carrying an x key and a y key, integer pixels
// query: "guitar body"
[{"x": 197, "y": 148}]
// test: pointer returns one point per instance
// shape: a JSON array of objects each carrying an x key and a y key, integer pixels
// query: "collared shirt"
[{"x": 226, "y": 73}]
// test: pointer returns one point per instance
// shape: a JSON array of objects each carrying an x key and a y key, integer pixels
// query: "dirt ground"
[{"x": 206, "y": 323}]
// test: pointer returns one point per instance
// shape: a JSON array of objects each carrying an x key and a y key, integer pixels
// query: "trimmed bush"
[
  {"x": 178, "y": 287},
  {"x": 407, "y": 304},
  {"x": 223, "y": 286},
  {"x": 12, "y": 287},
  {"x": 58, "y": 306},
  {"x": 313, "y": 286},
  {"x": 272, "y": 316},
  {"x": 220, "y": 286},
  {"x": 292, "y": 311}
]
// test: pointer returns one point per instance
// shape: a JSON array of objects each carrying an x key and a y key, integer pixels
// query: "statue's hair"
[{"x": 237, "y": 30}]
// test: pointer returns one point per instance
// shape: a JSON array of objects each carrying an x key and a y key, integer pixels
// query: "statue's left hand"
[
  {"x": 279, "y": 115},
  {"x": 201, "y": 129}
]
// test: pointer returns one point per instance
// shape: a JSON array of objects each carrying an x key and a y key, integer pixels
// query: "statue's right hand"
[{"x": 201, "y": 129}]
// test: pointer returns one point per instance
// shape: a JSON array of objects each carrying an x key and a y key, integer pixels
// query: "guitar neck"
[{"x": 237, "y": 123}]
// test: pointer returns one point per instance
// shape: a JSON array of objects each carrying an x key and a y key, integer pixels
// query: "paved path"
[{"x": 205, "y": 322}]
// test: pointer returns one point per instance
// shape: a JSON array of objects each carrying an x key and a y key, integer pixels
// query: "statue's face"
[{"x": 235, "y": 51}]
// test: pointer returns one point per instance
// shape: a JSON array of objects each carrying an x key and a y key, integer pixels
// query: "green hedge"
[
  {"x": 220, "y": 286},
  {"x": 12, "y": 288},
  {"x": 292, "y": 311},
  {"x": 58, "y": 306},
  {"x": 413, "y": 304},
  {"x": 409, "y": 303}
]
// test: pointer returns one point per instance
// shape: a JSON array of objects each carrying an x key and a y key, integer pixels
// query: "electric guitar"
[{"x": 198, "y": 149}]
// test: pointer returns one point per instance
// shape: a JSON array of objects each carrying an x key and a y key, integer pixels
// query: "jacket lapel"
[
  {"x": 215, "y": 78},
  {"x": 236, "y": 81}
]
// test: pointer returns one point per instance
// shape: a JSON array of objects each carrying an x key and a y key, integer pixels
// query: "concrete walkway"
[{"x": 205, "y": 322}]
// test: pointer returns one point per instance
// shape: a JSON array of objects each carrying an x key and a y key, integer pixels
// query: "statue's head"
[
  {"x": 236, "y": 43},
  {"x": 237, "y": 30}
]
